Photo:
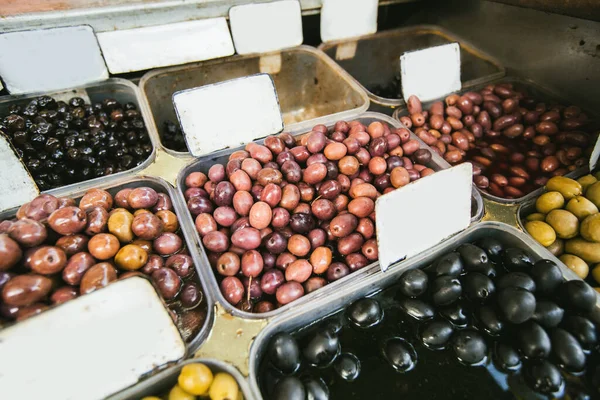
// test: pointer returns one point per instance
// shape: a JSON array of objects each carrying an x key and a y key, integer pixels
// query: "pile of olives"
[
  {"x": 283, "y": 219},
  {"x": 196, "y": 380},
  {"x": 484, "y": 305},
  {"x": 567, "y": 222},
  {"x": 56, "y": 250},
  {"x": 62, "y": 143}
]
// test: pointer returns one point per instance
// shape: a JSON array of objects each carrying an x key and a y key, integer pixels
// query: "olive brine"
[{"x": 481, "y": 321}]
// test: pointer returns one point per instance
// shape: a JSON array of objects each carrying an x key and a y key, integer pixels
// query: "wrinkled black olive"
[
  {"x": 506, "y": 358},
  {"x": 365, "y": 313},
  {"x": 322, "y": 349},
  {"x": 533, "y": 340},
  {"x": 516, "y": 279},
  {"x": 517, "y": 305},
  {"x": 446, "y": 290},
  {"x": 456, "y": 314},
  {"x": 417, "y": 309},
  {"x": 470, "y": 347},
  {"x": 436, "y": 334},
  {"x": 316, "y": 389},
  {"x": 547, "y": 276},
  {"x": 289, "y": 388},
  {"x": 492, "y": 247},
  {"x": 548, "y": 314},
  {"x": 578, "y": 295},
  {"x": 474, "y": 258},
  {"x": 489, "y": 321},
  {"x": 567, "y": 350},
  {"x": 284, "y": 353},
  {"x": 543, "y": 377},
  {"x": 478, "y": 287},
  {"x": 413, "y": 283},
  {"x": 448, "y": 265},
  {"x": 347, "y": 366},
  {"x": 400, "y": 354},
  {"x": 582, "y": 328},
  {"x": 515, "y": 259}
]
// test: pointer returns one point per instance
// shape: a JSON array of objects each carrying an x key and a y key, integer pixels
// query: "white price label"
[
  {"x": 228, "y": 114},
  {"x": 342, "y": 19},
  {"x": 44, "y": 60},
  {"x": 595, "y": 155},
  {"x": 18, "y": 187},
  {"x": 171, "y": 44},
  {"x": 431, "y": 73},
  {"x": 419, "y": 215},
  {"x": 265, "y": 27}
]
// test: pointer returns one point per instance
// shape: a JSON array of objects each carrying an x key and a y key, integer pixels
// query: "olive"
[
  {"x": 478, "y": 287},
  {"x": 334, "y": 325},
  {"x": 417, "y": 309},
  {"x": 142, "y": 197},
  {"x": 315, "y": 387},
  {"x": 10, "y": 252},
  {"x": 131, "y": 257},
  {"x": 28, "y": 232},
  {"x": 578, "y": 295},
  {"x": 567, "y": 350},
  {"x": 516, "y": 279},
  {"x": 98, "y": 276},
  {"x": 547, "y": 276},
  {"x": 147, "y": 226},
  {"x": 449, "y": 265},
  {"x": 365, "y": 313},
  {"x": 413, "y": 283},
  {"x": 516, "y": 259},
  {"x": 191, "y": 295},
  {"x": 64, "y": 294},
  {"x": 73, "y": 244},
  {"x": 167, "y": 243},
  {"x": 489, "y": 321},
  {"x": 533, "y": 340},
  {"x": 474, "y": 258},
  {"x": 469, "y": 347},
  {"x": 436, "y": 334},
  {"x": 68, "y": 220},
  {"x": 322, "y": 350},
  {"x": 167, "y": 282},
  {"x": 543, "y": 377},
  {"x": 506, "y": 358},
  {"x": 517, "y": 305},
  {"x": 583, "y": 330},
  {"x": 492, "y": 247},
  {"x": 24, "y": 290},
  {"x": 347, "y": 366},
  {"x": 48, "y": 260},
  {"x": 456, "y": 314},
  {"x": 182, "y": 264},
  {"x": 284, "y": 354},
  {"x": 548, "y": 314},
  {"x": 76, "y": 267},
  {"x": 445, "y": 290},
  {"x": 400, "y": 354},
  {"x": 289, "y": 388}
]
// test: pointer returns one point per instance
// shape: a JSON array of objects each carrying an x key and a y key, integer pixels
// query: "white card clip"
[
  {"x": 412, "y": 219},
  {"x": 18, "y": 187},
  {"x": 228, "y": 114},
  {"x": 342, "y": 19},
  {"x": 431, "y": 73}
]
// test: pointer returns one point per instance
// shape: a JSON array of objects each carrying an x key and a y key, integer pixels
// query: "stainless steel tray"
[
  {"x": 375, "y": 282},
  {"x": 204, "y": 163},
  {"x": 122, "y": 90},
  {"x": 376, "y": 60},
  {"x": 310, "y": 86}
]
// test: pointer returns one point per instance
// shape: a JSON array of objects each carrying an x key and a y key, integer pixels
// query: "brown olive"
[
  {"x": 342, "y": 225},
  {"x": 30, "y": 311},
  {"x": 163, "y": 203},
  {"x": 323, "y": 209},
  {"x": 260, "y": 215},
  {"x": 290, "y": 197},
  {"x": 252, "y": 263},
  {"x": 28, "y": 232},
  {"x": 182, "y": 264},
  {"x": 120, "y": 199},
  {"x": 361, "y": 206},
  {"x": 169, "y": 220},
  {"x": 335, "y": 151},
  {"x": 298, "y": 271},
  {"x": 232, "y": 289},
  {"x": 289, "y": 292},
  {"x": 10, "y": 252},
  {"x": 24, "y": 290},
  {"x": 370, "y": 250},
  {"x": 64, "y": 294},
  {"x": 320, "y": 259},
  {"x": 191, "y": 295},
  {"x": 314, "y": 283},
  {"x": 76, "y": 266},
  {"x": 154, "y": 262},
  {"x": 228, "y": 264},
  {"x": 40, "y": 208},
  {"x": 298, "y": 245},
  {"x": 97, "y": 221},
  {"x": 167, "y": 283},
  {"x": 147, "y": 226},
  {"x": 195, "y": 179},
  {"x": 131, "y": 257},
  {"x": 72, "y": 244},
  {"x": 103, "y": 246},
  {"x": 96, "y": 198},
  {"x": 337, "y": 270},
  {"x": 144, "y": 244},
  {"x": 167, "y": 243},
  {"x": 142, "y": 197},
  {"x": 246, "y": 238},
  {"x": 350, "y": 244},
  {"x": 48, "y": 260},
  {"x": 67, "y": 220},
  {"x": 119, "y": 224}
]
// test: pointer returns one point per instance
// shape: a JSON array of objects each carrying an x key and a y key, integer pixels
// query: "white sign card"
[
  {"x": 228, "y": 114},
  {"x": 49, "y": 59},
  {"x": 342, "y": 19},
  {"x": 265, "y": 27},
  {"x": 419, "y": 215},
  {"x": 431, "y": 73},
  {"x": 18, "y": 187},
  {"x": 595, "y": 155},
  {"x": 171, "y": 44}
]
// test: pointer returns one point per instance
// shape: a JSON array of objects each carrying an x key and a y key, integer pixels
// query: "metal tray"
[
  {"x": 205, "y": 162},
  {"x": 373, "y": 283},
  {"x": 164, "y": 380},
  {"x": 537, "y": 91},
  {"x": 376, "y": 59},
  {"x": 113, "y": 185},
  {"x": 122, "y": 90},
  {"x": 310, "y": 85}
]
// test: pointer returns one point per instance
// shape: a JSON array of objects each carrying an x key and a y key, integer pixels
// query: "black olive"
[
  {"x": 578, "y": 295},
  {"x": 567, "y": 350},
  {"x": 474, "y": 258},
  {"x": 38, "y": 141},
  {"x": 516, "y": 279},
  {"x": 533, "y": 340},
  {"x": 548, "y": 314},
  {"x": 365, "y": 313},
  {"x": 347, "y": 366},
  {"x": 33, "y": 165},
  {"x": 400, "y": 354},
  {"x": 436, "y": 334},
  {"x": 76, "y": 102},
  {"x": 445, "y": 290},
  {"x": 20, "y": 137},
  {"x": 334, "y": 325},
  {"x": 506, "y": 358},
  {"x": 492, "y": 247},
  {"x": 289, "y": 388},
  {"x": 489, "y": 271},
  {"x": 547, "y": 276},
  {"x": 302, "y": 223},
  {"x": 456, "y": 314},
  {"x": 516, "y": 259},
  {"x": 469, "y": 347},
  {"x": 316, "y": 389},
  {"x": 582, "y": 328},
  {"x": 478, "y": 287},
  {"x": 322, "y": 349},
  {"x": 448, "y": 265},
  {"x": 543, "y": 377},
  {"x": 417, "y": 309},
  {"x": 517, "y": 305},
  {"x": 489, "y": 321},
  {"x": 413, "y": 283}
]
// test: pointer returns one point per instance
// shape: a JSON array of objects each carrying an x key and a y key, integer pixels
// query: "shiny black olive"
[
  {"x": 489, "y": 271},
  {"x": 492, "y": 247},
  {"x": 365, "y": 313},
  {"x": 533, "y": 340},
  {"x": 302, "y": 223},
  {"x": 548, "y": 314},
  {"x": 543, "y": 377},
  {"x": 413, "y": 283},
  {"x": 516, "y": 259},
  {"x": 547, "y": 276},
  {"x": 445, "y": 290},
  {"x": 347, "y": 366},
  {"x": 578, "y": 295},
  {"x": 289, "y": 388},
  {"x": 417, "y": 309},
  {"x": 582, "y": 328},
  {"x": 333, "y": 325},
  {"x": 478, "y": 287},
  {"x": 517, "y": 305},
  {"x": 489, "y": 320},
  {"x": 506, "y": 358},
  {"x": 456, "y": 313},
  {"x": 436, "y": 334},
  {"x": 322, "y": 349},
  {"x": 516, "y": 279},
  {"x": 469, "y": 347},
  {"x": 448, "y": 265},
  {"x": 567, "y": 350},
  {"x": 316, "y": 389},
  {"x": 474, "y": 258},
  {"x": 284, "y": 353},
  {"x": 400, "y": 354}
]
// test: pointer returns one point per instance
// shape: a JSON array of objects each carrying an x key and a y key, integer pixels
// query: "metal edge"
[
  {"x": 128, "y": 85},
  {"x": 168, "y": 378},
  {"x": 373, "y": 268},
  {"x": 357, "y": 87},
  {"x": 373, "y": 284},
  {"x": 435, "y": 29}
]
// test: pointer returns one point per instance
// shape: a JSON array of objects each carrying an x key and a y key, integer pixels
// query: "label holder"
[
  {"x": 18, "y": 185},
  {"x": 335, "y": 15}
]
